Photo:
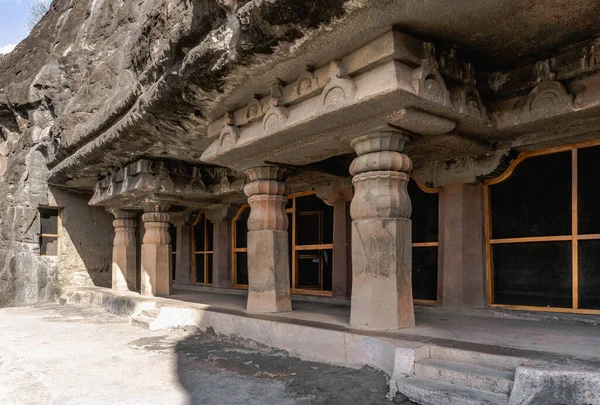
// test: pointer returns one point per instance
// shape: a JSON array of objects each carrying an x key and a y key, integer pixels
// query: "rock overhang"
[{"x": 183, "y": 96}]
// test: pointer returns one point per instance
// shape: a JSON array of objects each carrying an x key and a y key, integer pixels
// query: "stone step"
[
  {"x": 142, "y": 321},
  {"x": 477, "y": 359},
  {"x": 429, "y": 392},
  {"x": 151, "y": 313},
  {"x": 481, "y": 378}
]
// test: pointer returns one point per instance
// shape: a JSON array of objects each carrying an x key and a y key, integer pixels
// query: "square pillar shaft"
[
  {"x": 156, "y": 251},
  {"x": 268, "y": 259},
  {"x": 124, "y": 255},
  {"x": 462, "y": 245},
  {"x": 183, "y": 259},
  {"x": 381, "y": 234},
  {"x": 222, "y": 253},
  {"x": 342, "y": 260}
]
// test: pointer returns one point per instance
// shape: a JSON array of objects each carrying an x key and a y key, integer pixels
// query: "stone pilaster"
[
  {"x": 462, "y": 246},
  {"x": 268, "y": 260},
  {"x": 183, "y": 259},
  {"x": 222, "y": 233},
  {"x": 156, "y": 251},
  {"x": 124, "y": 254},
  {"x": 381, "y": 234}
]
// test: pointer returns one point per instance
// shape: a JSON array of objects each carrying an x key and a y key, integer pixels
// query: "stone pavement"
[{"x": 67, "y": 355}]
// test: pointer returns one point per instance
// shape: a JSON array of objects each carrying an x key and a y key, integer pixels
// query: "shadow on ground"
[{"x": 301, "y": 382}]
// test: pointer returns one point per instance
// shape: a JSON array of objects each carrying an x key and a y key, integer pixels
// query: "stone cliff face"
[{"x": 147, "y": 69}]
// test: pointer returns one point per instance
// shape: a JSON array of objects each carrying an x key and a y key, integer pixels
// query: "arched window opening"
[
  {"x": 425, "y": 229},
  {"x": 202, "y": 245},
  {"x": 543, "y": 231}
]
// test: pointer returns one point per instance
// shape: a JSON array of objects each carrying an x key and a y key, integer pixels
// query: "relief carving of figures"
[
  {"x": 468, "y": 102},
  {"x": 307, "y": 85},
  {"x": 230, "y": 134},
  {"x": 277, "y": 115},
  {"x": 340, "y": 91},
  {"x": 427, "y": 80},
  {"x": 164, "y": 182},
  {"x": 254, "y": 110},
  {"x": 548, "y": 98}
]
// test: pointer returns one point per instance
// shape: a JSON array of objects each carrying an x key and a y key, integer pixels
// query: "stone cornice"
[{"x": 174, "y": 182}]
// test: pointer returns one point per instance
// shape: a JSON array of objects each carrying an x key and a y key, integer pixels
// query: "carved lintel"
[{"x": 340, "y": 91}]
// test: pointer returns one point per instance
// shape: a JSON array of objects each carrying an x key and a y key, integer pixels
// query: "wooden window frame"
[
  {"x": 173, "y": 253},
  {"x": 430, "y": 190},
  {"x": 50, "y": 235},
  {"x": 295, "y": 248},
  {"x": 574, "y": 237},
  {"x": 206, "y": 253}
]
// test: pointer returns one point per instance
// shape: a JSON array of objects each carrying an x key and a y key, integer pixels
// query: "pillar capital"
[
  {"x": 384, "y": 140},
  {"x": 155, "y": 206},
  {"x": 276, "y": 173}
]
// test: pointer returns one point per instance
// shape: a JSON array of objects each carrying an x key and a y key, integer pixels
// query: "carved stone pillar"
[
  {"x": 381, "y": 233},
  {"x": 183, "y": 259},
  {"x": 222, "y": 233},
  {"x": 124, "y": 251},
  {"x": 268, "y": 260},
  {"x": 156, "y": 251}
]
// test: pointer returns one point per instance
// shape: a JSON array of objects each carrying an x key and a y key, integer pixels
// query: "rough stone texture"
[
  {"x": 124, "y": 259},
  {"x": 381, "y": 234},
  {"x": 268, "y": 258},
  {"x": 268, "y": 272},
  {"x": 156, "y": 251},
  {"x": 555, "y": 386}
]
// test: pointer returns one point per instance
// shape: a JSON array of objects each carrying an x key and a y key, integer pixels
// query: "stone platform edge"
[{"x": 396, "y": 358}]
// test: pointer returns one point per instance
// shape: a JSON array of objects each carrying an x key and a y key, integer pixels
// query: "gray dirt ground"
[{"x": 63, "y": 355}]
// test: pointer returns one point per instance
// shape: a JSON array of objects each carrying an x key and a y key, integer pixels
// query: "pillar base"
[
  {"x": 268, "y": 272},
  {"x": 381, "y": 283}
]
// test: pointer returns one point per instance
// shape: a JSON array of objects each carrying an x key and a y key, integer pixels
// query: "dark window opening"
[{"x": 49, "y": 224}]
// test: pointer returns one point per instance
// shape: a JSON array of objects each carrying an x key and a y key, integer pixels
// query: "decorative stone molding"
[
  {"x": 129, "y": 185},
  {"x": 468, "y": 102},
  {"x": 307, "y": 85},
  {"x": 254, "y": 110},
  {"x": 229, "y": 134},
  {"x": 428, "y": 81},
  {"x": 339, "y": 91},
  {"x": 277, "y": 115}
]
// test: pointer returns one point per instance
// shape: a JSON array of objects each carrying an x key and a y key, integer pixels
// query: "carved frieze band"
[{"x": 159, "y": 177}]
